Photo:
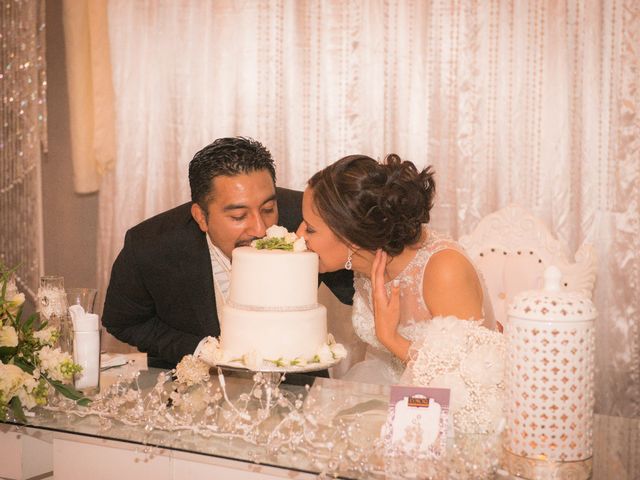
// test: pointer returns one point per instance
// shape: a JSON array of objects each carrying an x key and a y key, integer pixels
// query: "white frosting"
[
  {"x": 273, "y": 335},
  {"x": 273, "y": 307},
  {"x": 275, "y": 279}
]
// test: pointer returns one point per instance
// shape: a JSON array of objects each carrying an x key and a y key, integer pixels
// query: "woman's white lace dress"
[{"x": 466, "y": 356}]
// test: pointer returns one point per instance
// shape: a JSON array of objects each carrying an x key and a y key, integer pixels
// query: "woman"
[{"x": 370, "y": 217}]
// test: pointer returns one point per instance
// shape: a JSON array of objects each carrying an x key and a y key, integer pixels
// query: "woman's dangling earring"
[{"x": 348, "y": 264}]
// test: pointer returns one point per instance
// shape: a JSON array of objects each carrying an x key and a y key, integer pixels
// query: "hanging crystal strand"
[{"x": 53, "y": 309}]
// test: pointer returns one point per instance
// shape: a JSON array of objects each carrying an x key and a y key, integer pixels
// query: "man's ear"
[{"x": 199, "y": 216}]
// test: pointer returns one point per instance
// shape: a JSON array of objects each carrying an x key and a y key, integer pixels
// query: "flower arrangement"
[
  {"x": 279, "y": 238},
  {"x": 31, "y": 367}
]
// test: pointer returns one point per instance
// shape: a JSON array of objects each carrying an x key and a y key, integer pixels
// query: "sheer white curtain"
[{"x": 529, "y": 102}]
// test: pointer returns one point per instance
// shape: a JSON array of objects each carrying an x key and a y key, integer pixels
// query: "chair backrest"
[{"x": 512, "y": 249}]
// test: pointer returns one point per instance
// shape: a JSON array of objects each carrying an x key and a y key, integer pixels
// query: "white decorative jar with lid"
[{"x": 550, "y": 337}]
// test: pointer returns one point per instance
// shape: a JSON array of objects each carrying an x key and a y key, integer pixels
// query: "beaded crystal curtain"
[
  {"x": 529, "y": 102},
  {"x": 23, "y": 117}
]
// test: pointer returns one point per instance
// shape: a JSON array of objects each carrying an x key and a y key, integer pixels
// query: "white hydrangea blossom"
[
  {"x": 55, "y": 363},
  {"x": 27, "y": 399},
  {"x": 46, "y": 336},
  {"x": 11, "y": 380}
]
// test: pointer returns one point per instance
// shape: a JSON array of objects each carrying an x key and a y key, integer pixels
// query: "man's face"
[{"x": 241, "y": 209}]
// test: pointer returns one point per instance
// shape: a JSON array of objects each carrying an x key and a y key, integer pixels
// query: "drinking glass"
[
  {"x": 53, "y": 309},
  {"x": 85, "y": 297}
]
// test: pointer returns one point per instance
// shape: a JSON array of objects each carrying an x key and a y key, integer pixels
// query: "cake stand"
[
  {"x": 268, "y": 367},
  {"x": 274, "y": 375}
]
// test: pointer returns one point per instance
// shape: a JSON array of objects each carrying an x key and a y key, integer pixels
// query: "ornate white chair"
[{"x": 512, "y": 248}]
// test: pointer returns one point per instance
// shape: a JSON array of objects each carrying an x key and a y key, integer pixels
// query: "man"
[{"x": 161, "y": 296}]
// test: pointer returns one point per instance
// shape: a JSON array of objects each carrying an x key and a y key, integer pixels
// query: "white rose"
[
  {"x": 253, "y": 360},
  {"x": 276, "y": 231},
  {"x": 324, "y": 354},
  {"x": 290, "y": 237},
  {"x": 8, "y": 337},
  {"x": 338, "y": 350},
  {"x": 300, "y": 245}
]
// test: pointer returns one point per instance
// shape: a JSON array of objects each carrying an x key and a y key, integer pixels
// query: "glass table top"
[{"x": 306, "y": 424}]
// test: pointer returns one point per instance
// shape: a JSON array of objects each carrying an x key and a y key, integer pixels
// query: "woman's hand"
[{"x": 386, "y": 310}]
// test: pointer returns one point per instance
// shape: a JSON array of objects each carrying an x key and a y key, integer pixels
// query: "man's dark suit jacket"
[{"x": 160, "y": 297}]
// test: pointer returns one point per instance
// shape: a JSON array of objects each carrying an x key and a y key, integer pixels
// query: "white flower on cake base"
[
  {"x": 253, "y": 360},
  {"x": 324, "y": 354},
  {"x": 338, "y": 351},
  {"x": 210, "y": 351}
]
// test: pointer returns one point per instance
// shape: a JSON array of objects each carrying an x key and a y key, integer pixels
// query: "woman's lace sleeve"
[{"x": 469, "y": 360}]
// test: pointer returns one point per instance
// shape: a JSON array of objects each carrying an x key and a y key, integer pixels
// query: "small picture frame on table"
[{"x": 418, "y": 420}]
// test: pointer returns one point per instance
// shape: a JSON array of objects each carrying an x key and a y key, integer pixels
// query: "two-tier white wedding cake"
[{"x": 272, "y": 314}]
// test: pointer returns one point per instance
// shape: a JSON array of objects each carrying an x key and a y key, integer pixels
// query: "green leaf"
[
  {"x": 273, "y": 243},
  {"x": 26, "y": 326},
  {"x": 27, "y": 367},
  {"x": 69, "y": 392},
  {"x": 6, "y": 353},
  {"x": 16, "y": 408}
]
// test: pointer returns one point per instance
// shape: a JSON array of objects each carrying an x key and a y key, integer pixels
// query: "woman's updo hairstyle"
[{"x": 374, "y": 205}]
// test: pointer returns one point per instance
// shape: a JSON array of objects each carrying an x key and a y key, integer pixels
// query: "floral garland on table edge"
[
  {"x": 190, "y": 400},
  {"x": 31, "y": 368}
]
